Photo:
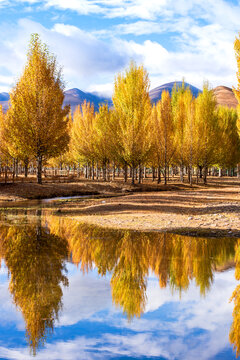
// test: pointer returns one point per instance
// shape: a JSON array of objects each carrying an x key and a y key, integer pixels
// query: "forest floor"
[{"x": 214, "y": 208}]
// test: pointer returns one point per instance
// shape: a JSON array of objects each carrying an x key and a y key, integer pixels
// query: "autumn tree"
[
  {"x": 36, "y": 262},
  {"x": 237, "y": 90},
  {"x": 82, "y": 133},
  {"x": 103, "y": 137},
  {"x": 179, "y": 118},
  {"x": 229, "y": 149},
  {"x": 163, "y": 132},
  {"x": 37, "y": 119},
  {"x": 133, "y": 110},
  {"x": 206, "y": 130}
]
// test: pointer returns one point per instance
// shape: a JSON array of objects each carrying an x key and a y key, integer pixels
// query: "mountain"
[
  {"x": 75, "y": 97},
  {"x": 4, "y": 98},
  {"x": 225, "y": 96},
  {"x": 155, "y": 94}
]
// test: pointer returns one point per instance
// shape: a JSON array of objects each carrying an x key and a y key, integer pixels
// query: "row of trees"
[{"x": 179, "y": 131}]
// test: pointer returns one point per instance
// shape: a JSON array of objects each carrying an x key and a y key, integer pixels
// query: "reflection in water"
[
  {"x": 35, "y": 256},
  {"x": 234, "y": 335},
  {"x": 130, "y": 255},
  {"x": 35, "y": 260}
]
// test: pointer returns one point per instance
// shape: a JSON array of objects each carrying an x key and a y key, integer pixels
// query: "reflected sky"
[{"x": 74, "y": 291}]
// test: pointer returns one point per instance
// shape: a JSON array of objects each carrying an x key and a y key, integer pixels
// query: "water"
[{"x": 74, "y": 291}]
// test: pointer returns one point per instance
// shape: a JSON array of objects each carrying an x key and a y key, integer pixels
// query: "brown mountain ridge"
[{"x": 225, "y": 96}]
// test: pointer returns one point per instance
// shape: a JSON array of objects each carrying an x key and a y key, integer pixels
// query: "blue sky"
[{"x": 95, "y": 39}]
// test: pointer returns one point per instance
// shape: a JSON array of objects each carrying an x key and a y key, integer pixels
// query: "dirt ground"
[{"x": 213, "y": 208}]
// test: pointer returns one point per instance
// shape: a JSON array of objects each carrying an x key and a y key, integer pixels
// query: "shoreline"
[{"x": 212, "y": 209}]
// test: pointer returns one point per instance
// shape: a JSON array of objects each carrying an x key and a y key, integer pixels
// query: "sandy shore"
[{"x": 214, "y": 208}]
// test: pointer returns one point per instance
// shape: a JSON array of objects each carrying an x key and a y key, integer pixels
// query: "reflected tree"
[
  {"x": 129, "y": 255},
  {"x": 36, "y": 261}
]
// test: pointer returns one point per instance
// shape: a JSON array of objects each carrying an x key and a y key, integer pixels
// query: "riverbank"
[
  {"x": 23, "y": 190},
  {"x": 214, "y": 208}
]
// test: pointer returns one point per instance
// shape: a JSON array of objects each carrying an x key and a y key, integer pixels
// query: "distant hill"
[
  {"x": 155, "y": 94},
  {"x": 75, "y": 97},
  {"x": 225, "y": 96},
  {"x": 4, "y": 98}
]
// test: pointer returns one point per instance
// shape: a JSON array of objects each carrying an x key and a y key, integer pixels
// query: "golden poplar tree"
[
  {"x": 237, "y": 90},
  {"x": 103, "y": 137},
  {"x": 133, "y": 110},
  {"x": 163, "y": 131},
  {"x": 179, "y": 118},
  {"x": 82, "y": 133},
  {"x": 37, "y": 119},
  {"x": 229, "y": 146},
  {"x": 207, "y": 130}
]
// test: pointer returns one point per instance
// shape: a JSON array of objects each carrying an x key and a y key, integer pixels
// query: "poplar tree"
[
  {"x": 237, "y": 90},
  {"x": 163, "y": 131},
  {"x": 180, "y": 113},
  {"x": 82, "y": 133},
  {"x": 229, "y": 149},
  {"x": 37, "y": 119},
  {"x": 206, "y": 129},
  {"x": 133, "y": 110},
  {"x": 103, "y": 137}
]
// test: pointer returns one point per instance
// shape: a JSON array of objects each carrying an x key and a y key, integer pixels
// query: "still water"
[{"x": 74, "y": 291}]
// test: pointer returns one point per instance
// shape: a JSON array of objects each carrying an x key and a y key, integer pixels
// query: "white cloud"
[{"x": 201, "y": 34}]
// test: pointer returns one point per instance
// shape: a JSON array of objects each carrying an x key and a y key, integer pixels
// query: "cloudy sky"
[{"x": 95, "y": 39}]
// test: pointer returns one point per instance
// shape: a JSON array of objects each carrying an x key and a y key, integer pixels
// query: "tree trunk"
[
  {"x": 190, "y": 175},
  {"x": 133, "y": 175},
  {"x": 139, "y": 174},
  {"x": 165, "y": 174},
  {"x": 16, "y": 168},
  {"x": 92, "y": 170},
  {"x": 39, "y": 169},
  {"x": 159, "y": 174},
  {"x": 114, "y": 171},
  {"x": 5, "y": 170},
  {"x": 238, "y": 171},
  {"x": 181, "y": 172},
  {"x": 97, "y": 171},
  {"x": 144, "y": 172},
  {"x": 108, "y": 171},
  {"x": 13, "y": 169},
  {"x": 205, "y": 174},
  {"x": 125, "y": 173},
  {"x": 104, "y": 171},
  {"x": 78, "y": 169},
  {"x": 153, "y": 173},
  {"x": 200, "y": 172},
  {"x": 26, "y": 161}
]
